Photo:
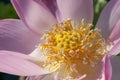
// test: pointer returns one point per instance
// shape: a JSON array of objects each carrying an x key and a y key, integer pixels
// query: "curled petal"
[
  {"x": 34, "y": 15},
  {"x": 19, "y": 64},
  {"x": 15, "y": 36},
  {"x": 76, "y": 10},
  {"x": 107, "y": 68},
  {"x": 38, "y": 57},
  {"x": 49, "y": 4},
  {"x": 115, "y": 32},
  {"x": 109, "y": 17}
]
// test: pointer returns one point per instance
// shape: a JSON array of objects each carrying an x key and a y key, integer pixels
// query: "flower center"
[
  {"x": 66, "y": 40},
  {"x": 74, "y": 47}
]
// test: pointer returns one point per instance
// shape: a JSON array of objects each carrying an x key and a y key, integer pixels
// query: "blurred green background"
[{"x": 7, "y": 11}]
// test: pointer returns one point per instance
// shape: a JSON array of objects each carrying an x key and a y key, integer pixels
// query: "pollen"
[
  {"x": 77, "y": 48},
  {"x": 66, "y": 40}
]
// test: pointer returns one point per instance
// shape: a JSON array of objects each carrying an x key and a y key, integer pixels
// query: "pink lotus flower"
[{"x": 83, "y": 54}]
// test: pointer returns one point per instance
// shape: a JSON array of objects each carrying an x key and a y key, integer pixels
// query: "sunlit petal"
[
  {"x": 76, "y": 10},
  {"x": 35, "y": 16},
  {"x": 18, "y": 64}
]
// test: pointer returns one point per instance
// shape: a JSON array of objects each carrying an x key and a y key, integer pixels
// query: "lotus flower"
[{"x": 69, "y": 49}]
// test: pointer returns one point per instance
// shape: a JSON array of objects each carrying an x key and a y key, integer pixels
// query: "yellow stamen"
[{"x": 72, "y": 47}]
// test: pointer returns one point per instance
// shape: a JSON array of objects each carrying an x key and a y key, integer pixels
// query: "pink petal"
[
  {"x": 49, "y": 4},
  {"x": 107, "y": 68},
  {"x": 18, "y": 64},
  {"x": 76, "y": 10},
  {"x": 109, "y": 17},
  {"x": 35, "y": 77},
  {"x": 14, "y": 36},
  {"x": 115, "y": 35},
  {"x": 115, "y": 49},
  {"x": 35, "y": 16},
  {"x": 115, "y": 61}
]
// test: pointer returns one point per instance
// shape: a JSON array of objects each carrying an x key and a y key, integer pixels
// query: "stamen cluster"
[{"x": 73, "y": 47}]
